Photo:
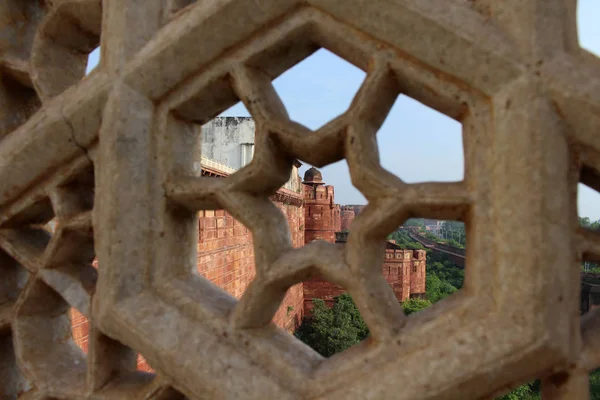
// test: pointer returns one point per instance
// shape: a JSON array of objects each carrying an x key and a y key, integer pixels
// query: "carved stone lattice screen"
[{"x": 106, "y": 161}]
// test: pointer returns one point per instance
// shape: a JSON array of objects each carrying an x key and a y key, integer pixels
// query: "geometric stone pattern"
[{"x": 511, "y": 72}]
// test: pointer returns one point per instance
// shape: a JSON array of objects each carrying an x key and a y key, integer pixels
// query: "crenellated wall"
[
  {"x": 418, "y": 274},
  {"x": 346, "y": 217},
  {"x": 321, "y": 213},
  {"x": 405, "y": 271},
  {"x": 325, "y": 220}
]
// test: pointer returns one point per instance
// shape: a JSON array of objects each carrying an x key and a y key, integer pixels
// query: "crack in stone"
[{"x": 72, "y": 132}]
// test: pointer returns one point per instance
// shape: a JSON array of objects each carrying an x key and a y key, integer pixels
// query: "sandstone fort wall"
[
  {"x": 346, "y": 217},
  {"x": 226, "y": 257}
]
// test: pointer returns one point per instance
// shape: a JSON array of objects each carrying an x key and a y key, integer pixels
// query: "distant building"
[
  {"x": 321, "y": 214},
  {"x": 229, "y": 141},
  {"x": 403, "y": 269},
  {"x": 433, "y": 225},
  {"x": 347, "y": 216},
  {"x": 227, "y": 144}
]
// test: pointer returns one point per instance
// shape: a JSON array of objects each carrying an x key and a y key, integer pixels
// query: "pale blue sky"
[{"x": 415, "y": 143}]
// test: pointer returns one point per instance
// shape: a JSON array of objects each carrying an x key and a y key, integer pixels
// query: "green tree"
[
  {"x": 595, "y": 385},
  {"x": 438, "y": 264},
  {"x": 454, "y": 243},
  {"x": 437, "y": 289},
  {"x": 415, "y": 222},
  {"x": 331, "y": 330},
  {"x": 411, "y": 306},
  {"x": 404, "y": 241},
  {"x": 532, "y": 390},
  {"x": 454, "y": 230},
  {"x": 431, "y": 236},
  {"x": 524, "y": 392},
  {"x": 587, "y": 223},
  {"x": 584, "y": 221}
]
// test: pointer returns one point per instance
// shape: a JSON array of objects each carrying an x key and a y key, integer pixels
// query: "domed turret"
[{"x": 313, "y": 176}]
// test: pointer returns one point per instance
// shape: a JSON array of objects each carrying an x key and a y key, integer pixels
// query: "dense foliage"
[
  {"x": 450, "y": 232},
  {"x": 532, "y": 391},
  {"x": 416, "y": 222},
  {"x": 454, "y": 233},
  {"x": 331, "y": 330},
  {"x": 411, "y": 306},
  {"x": 404, "y": 241},
  {"x": 595, "y": 226},
  {"x": 430, "y": 236},
  {"x": 595, "y": 385},
  {"x": 442, "y": 271},
  {"x": 586, "y": 222}
]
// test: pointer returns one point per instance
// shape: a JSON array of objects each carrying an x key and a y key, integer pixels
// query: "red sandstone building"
[
  {"x": 225, "y": 246},
  {"x": 321, "y": 214},
  {"x": 347, "y": 216},
  {"x": 403, "y": 269},
  {"x": 226, "y": 254}
]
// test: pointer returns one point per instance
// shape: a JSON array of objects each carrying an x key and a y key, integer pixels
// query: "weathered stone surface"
[{"x": 510, "y": 71}]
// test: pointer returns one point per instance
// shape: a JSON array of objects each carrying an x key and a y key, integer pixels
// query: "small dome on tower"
[{"x": 313, "y": 175}]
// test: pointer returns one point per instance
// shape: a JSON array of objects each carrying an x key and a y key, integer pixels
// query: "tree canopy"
[
  {"x": 416, "y": 222},
  {"x": 404, "y": 241},
  {"x": 331, "y": 330},
  {"x": 454, "y": 233},
  {"x": 411, "y": 306},
  {"x": 586, "y": 222}
]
